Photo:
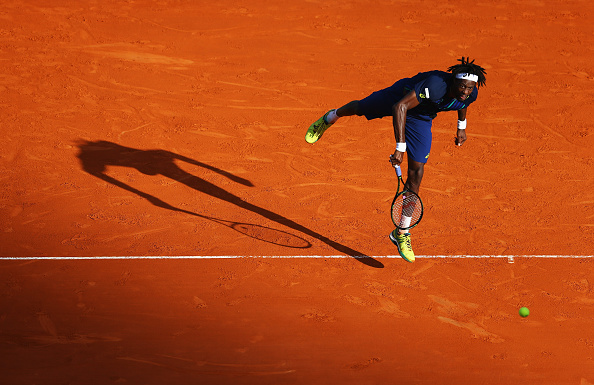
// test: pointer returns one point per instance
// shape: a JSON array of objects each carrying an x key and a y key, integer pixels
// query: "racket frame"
[{"x": 397, "y": 196}]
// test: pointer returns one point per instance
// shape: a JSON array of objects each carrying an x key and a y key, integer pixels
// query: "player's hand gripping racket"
[{"x": 407, "y": 207}]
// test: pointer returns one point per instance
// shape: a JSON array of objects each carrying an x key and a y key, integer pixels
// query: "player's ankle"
[{"x": 331, "y": 118}]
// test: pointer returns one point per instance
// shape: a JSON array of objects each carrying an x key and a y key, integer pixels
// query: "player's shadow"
[{"x": 96, "y": 156}]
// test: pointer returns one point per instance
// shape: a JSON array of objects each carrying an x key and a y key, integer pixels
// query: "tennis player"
[{"x": 413, "y": 103}]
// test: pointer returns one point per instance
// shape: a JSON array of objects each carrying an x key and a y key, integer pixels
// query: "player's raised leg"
[{"x": 317, "y": 129}]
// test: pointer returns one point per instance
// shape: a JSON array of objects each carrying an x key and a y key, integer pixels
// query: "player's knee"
[{"x": 415, "y": 175}]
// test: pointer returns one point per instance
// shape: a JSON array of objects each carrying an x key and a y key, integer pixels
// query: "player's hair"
[{"x": 468, "y": 67}]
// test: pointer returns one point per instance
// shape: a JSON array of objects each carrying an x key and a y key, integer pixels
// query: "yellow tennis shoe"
[
  {"x": 316, "y": 130},
  {"x": 404, "y": 245}
]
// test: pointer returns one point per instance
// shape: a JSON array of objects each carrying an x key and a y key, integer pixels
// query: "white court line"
[{"x": 510, "y": 258}]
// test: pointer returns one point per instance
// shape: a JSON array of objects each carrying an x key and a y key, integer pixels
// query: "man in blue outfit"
[{"x": 413, "y": 103}]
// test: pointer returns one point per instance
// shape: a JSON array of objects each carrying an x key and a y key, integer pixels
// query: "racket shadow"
[
  {"x": 261, "y": 233},
  {"x": 96, "y": 156}
]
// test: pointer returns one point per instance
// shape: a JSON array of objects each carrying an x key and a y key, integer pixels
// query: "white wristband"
[
  {"x": 462, "y": 124},
  {"x": 401, "y": 147}
]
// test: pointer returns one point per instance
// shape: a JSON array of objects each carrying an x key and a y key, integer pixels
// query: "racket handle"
[{"x": 398, "y": 171}]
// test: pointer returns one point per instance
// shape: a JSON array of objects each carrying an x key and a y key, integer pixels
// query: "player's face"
[{"x": 462, "y": 88}]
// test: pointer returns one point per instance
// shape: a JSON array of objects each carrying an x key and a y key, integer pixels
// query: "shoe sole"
[
  {"x": 312, "y": 139},
  {"x": 395, "y": 242}
]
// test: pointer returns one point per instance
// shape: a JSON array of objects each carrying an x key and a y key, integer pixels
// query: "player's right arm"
[{"x": 399, "y": 111}]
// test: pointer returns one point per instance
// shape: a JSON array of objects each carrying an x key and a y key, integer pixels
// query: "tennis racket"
[{"x": 407, "y": 207}]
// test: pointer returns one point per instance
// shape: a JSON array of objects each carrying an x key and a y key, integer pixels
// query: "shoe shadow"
[{"x": 96, "y": 156}]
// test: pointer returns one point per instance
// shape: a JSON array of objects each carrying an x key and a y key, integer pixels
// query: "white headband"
[{"x": 471, "y": 77}]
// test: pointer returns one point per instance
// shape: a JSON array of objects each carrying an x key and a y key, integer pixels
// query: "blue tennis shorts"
[{"x": 418, "y": 127}]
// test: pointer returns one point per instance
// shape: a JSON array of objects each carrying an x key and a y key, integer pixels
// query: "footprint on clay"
[
  {"x": 365, "y": 364},
  {"x": 355, "y": 300},
  {"x": 411, "y": 284},
  {"x": 379, "y": 289},
  {"x": 477, "y": 331},
  {"x": 318, "y": 316},
  {"x": 584, "y": 300},
  {"x": 581, "y": 286},
  {"x": 47, "y": 324},
  {"x": 448, "y": 307},
  {"x": 198, "y": 303},
  {"x": 392, "y": 308}
]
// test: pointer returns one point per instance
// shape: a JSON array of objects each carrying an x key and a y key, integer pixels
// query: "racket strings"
[{"x": 407, "y": 210}]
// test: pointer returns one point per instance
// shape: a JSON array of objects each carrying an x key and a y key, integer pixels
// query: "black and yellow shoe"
[
  {"x": 316, "y": 130},
  {"x": 404, "y": 245}
]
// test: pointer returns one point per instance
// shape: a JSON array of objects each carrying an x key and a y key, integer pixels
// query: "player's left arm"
[{"x": 461, "y": 133}]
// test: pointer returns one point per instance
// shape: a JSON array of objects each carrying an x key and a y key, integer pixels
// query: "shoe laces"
[
  {"x": 318, "y": 127},
  {"x": 407, "y": 241}
]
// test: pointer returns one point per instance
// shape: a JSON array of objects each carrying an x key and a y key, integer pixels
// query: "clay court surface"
[{"x": 176, "y": 128}]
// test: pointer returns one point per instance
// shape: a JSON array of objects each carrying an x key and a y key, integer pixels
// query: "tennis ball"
[{"x": 524, "y": 312}]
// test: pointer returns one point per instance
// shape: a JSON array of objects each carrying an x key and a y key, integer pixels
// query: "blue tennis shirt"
[{"x": 431, "y": 89}]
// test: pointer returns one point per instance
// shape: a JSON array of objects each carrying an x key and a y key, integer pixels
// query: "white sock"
[
  {"x": 405, "y": 221},
  {"x": 332, "y": 117}
]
